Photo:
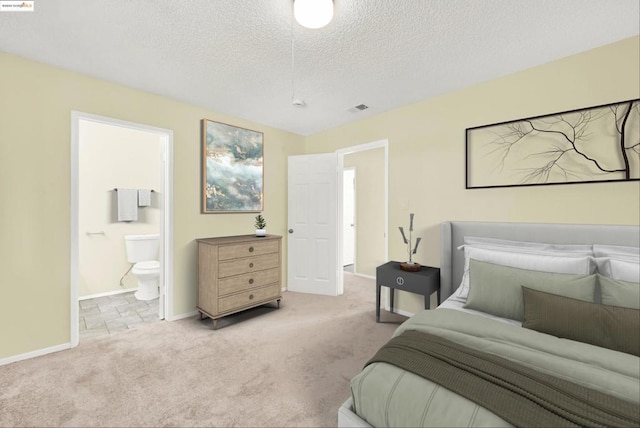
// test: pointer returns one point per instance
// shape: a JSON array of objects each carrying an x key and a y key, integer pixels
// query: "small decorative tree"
[
  {"x": 410, "y": 265},
  {"x": 261, "y": 225}
]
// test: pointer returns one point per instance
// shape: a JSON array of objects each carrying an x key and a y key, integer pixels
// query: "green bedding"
[{"x": 385, "y": 395}]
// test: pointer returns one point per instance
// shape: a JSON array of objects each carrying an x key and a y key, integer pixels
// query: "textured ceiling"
[{"x": 234, "y": 56}]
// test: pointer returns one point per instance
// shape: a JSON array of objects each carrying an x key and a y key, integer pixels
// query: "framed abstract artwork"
[
  {"x": 232, "y": 169},
  {"x": 587, "y": 145}
]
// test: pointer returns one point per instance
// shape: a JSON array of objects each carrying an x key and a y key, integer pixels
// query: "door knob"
[{"x": 290, "y": 230}]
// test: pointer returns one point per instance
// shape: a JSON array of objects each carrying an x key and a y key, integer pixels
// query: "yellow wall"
[
  {"x": 427, "y": 150},
  {"x": 35, "y": 115},
  {"x": 426, "y": 172}
]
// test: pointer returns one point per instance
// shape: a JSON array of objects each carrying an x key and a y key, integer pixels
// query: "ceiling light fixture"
[{"x": 313, "y": 13}]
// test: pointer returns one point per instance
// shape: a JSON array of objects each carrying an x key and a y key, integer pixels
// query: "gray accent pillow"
[
  {"x": 497, "y": 289},
  {"x": 619, "y": 293},
  {"x": 606, "y": 326}
]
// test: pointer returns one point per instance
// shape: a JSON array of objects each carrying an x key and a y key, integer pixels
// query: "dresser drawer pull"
[
  {"x": 251, "y": 281},
  {"x": 250, "y": 296},
  {"x": 251, "y": 249},
  {"x": 250, "y": 265}
]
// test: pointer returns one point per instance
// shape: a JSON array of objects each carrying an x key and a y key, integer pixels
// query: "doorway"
[
  {"x": 371, "y": 194},
  {"x": 349, "y": 219},
  {"x": 86, "y": 234},
  {"x": 315, "y": 218}
]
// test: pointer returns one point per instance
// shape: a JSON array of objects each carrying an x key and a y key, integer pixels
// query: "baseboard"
[
  {"x": 183, "y": 316},
  {"x": 33, "y": 354},
  {"x": 361, "y": 275},
  {"x": 404, "y": 313},
  {"x": 108, "y": 293}
]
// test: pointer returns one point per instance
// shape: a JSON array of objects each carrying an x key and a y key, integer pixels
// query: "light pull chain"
[{"x": 293, "y": 92}]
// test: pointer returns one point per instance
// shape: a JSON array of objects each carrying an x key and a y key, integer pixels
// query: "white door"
[
  {"x": 348, "y": 216},
  {"x": 313, "y": 228}
]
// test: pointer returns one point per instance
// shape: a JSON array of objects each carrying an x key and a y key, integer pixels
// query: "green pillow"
[
  {"x": 497, "y": 289},
  {"x": 619, "y": 293},
  {"x": 606, "y": 326}
]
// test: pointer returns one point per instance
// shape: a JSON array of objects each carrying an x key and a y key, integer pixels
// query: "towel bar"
[{"x": 116, "y": 189}]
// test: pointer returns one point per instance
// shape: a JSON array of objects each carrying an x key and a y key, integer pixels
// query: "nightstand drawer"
[
  {"x": 400, "y": 280},
  {"x": 229, "y": 252},
  {"x": 248, "y": 298},
  {"x": 248, "y": 265},
  {"x": 250, "y": 280}
]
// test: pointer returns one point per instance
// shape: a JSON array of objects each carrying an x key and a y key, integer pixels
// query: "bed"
[{"x": 483, "y": 320}]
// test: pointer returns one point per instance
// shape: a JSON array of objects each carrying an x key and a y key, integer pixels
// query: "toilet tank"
[{"x": 142, "y": 248}]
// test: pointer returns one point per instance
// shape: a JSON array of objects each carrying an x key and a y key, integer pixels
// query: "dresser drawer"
[
  {"x": 228, "y": 252},
  {"x": 248, "y": 298},
  {"x": 248, "y": 265},
  {"x": 249, "y": 280}
]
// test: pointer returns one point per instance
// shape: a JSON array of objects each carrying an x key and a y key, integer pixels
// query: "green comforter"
[{"x": 385, "y": 395}]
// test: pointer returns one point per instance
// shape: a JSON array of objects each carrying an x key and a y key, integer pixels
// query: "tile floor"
[{"x": 106, "y": 315}]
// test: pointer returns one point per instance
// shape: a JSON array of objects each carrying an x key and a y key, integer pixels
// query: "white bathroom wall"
[{"x": 113, "y": 157}]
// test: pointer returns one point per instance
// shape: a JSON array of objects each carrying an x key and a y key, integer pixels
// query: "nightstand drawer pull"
[
  {"x": 251, "y": 249},
  {"x": 251, "y": 281},
  {"x": 250, "y": 265},
  {"x": 400, "y": 280},
  {"x": 250, "y": 296}
]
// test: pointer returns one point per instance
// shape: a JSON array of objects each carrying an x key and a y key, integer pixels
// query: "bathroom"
[{"x": 115, "y": 157}]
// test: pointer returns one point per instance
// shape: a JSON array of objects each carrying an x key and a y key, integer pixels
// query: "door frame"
[
  {"x": 166, "y": 218},
  {"x": 341, "y": 154}
]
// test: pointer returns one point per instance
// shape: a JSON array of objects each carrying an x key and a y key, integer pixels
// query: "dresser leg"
[
  {"x": 215, "y": 324},
  {"x": 278, "y": 303},
  {"x": 201, "y": 316}
]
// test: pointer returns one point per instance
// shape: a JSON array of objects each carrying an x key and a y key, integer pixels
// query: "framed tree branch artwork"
[
  {"x": 593, "y": 144},
  {"x": 232, "y": 169}
]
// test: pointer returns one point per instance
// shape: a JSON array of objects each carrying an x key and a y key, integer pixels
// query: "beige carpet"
[{"x": 265, "y": 367}]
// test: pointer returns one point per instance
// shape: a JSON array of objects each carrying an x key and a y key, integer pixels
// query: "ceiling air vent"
[{"x": 358, "y": 108}]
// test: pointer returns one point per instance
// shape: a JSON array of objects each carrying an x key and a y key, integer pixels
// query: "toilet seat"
[{"x": 149, "y": 265}]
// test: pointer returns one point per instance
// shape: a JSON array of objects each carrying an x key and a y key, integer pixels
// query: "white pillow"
[
  {"x": 617, "y": 262},
  {"x": 538, "y": 260},
  {"x": 526, "y": 246},
  {"x": 617, "y": 252},
  {"x": 622, "y": 270}
]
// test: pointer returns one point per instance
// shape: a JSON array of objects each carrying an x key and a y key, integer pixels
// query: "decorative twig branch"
[
  {"x": 571, "y": 133},
  {"x": 408, "y": 242}
]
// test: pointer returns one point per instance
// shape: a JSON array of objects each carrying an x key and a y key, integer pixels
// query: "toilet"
[{"x": 143, "y": 251}]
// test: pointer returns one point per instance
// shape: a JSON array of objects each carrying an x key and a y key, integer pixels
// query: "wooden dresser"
[{"x": 237, "y": 273}]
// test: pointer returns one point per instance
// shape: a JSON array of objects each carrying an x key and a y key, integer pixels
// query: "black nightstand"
[{"x": 425, "y": 282}]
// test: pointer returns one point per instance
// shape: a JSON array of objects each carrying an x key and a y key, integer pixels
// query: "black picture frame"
[{"x": 587, "y": 145}]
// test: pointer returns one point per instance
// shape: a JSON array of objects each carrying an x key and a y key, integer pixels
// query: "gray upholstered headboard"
[{"x": 452, "y": 234}]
